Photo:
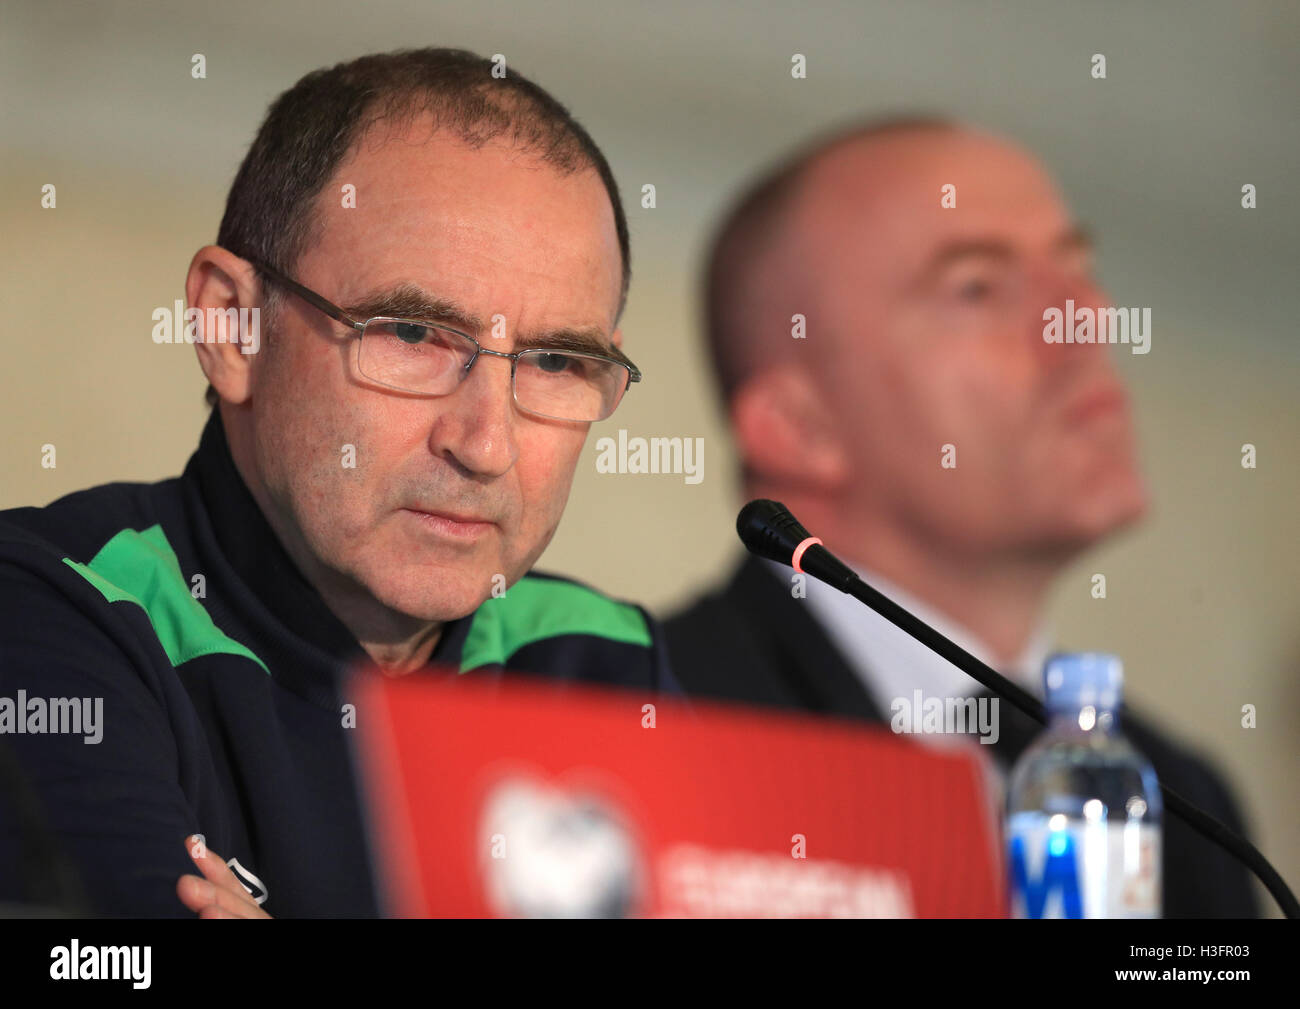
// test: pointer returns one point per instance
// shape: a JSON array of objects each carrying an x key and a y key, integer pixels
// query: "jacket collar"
[
  {"x": 291, "y": 619},
  {"x": 801, "y": 651}
]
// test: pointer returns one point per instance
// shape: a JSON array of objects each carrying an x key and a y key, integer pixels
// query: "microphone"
[{"x": 769, "y": 530}]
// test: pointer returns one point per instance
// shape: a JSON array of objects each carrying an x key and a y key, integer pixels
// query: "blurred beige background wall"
[{"x": 1200, "y": 99}]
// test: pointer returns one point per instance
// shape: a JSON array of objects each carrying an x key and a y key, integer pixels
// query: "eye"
[
  {"x": 975, "y": 290},
  {"x": 554, "y": 364},
  {"x": 410, "y": 332}
]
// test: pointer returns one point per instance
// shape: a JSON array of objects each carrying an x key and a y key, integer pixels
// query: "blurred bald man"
[{"x": 864, "y": 334}]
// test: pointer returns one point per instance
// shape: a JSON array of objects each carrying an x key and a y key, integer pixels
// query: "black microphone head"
[{"x": 769, "y": 530}]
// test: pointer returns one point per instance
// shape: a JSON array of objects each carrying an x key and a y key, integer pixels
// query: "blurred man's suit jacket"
[{"x": 752, "y": 642}]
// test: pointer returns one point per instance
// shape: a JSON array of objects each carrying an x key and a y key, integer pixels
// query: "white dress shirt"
[{"x": 890, "y": 662}]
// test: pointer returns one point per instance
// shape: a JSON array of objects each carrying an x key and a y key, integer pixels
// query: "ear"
[
  {"x": 616, "y": 338},
  {"x": 219, "y": 280},
  {"x": 785, "y": 432}
]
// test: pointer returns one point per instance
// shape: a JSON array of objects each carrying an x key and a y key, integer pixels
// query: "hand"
[{"x": 220, "y": 895}]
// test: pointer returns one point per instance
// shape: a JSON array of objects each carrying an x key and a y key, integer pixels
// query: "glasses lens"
[
  {"x": 412, "y": 356},
  {"x": 568, "y": 386}
]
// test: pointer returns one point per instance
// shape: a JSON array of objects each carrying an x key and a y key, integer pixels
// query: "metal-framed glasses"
[{"x": 426, "y": 358}]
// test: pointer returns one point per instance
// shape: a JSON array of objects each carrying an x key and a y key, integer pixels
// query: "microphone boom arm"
[{"x": 769, "y": 530}]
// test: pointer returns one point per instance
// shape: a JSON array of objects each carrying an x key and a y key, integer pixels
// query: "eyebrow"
[
  {"x": 977, "y": 248},
  {"x": 409, "y": 301},
  {"x": 1075, "y": 238}
]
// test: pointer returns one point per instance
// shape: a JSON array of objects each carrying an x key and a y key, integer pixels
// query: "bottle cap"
[{"x": 1076, "y": 680}]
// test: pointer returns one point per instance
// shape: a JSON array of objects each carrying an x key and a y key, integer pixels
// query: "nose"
[
  {"x": 475, "y": 423},
  {"x": 1057, "y": 290}
]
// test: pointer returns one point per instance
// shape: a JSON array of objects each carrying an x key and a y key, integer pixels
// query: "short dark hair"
[{"x": 310, "y": 129}]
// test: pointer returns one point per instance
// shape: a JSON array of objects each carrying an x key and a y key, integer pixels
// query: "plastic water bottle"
[{"x": 1083, "y": 806}]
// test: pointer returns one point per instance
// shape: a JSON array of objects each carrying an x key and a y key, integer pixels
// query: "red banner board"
[{"x": 521, "y": 798}]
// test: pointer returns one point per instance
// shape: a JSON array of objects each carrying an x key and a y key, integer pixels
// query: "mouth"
[
  {"x": 450, "y": 524},
  {"x": 1099, "y": 402}
]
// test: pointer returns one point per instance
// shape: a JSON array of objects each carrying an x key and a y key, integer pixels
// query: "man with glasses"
[{"x": 440, "y": 260}]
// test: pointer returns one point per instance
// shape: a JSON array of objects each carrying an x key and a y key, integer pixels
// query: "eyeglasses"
[{"x": 426, "y": 358}]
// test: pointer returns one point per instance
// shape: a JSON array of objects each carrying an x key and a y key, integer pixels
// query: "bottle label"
[{"x": 1061, "y": 867}]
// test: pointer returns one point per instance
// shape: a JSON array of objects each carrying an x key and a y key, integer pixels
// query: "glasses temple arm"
[
  {"x": 634, "y": 373},
  {"x": 311, "y": 297}
]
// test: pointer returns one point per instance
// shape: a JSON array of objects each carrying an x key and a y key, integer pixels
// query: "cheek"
[
  {"x": 949, "y": 398},
  {"x": 984, "y": 402},
  {"x": 319, "y": 455},
  {"x": 921, "y": 402},
  {"x": 547, "y": 460}
]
